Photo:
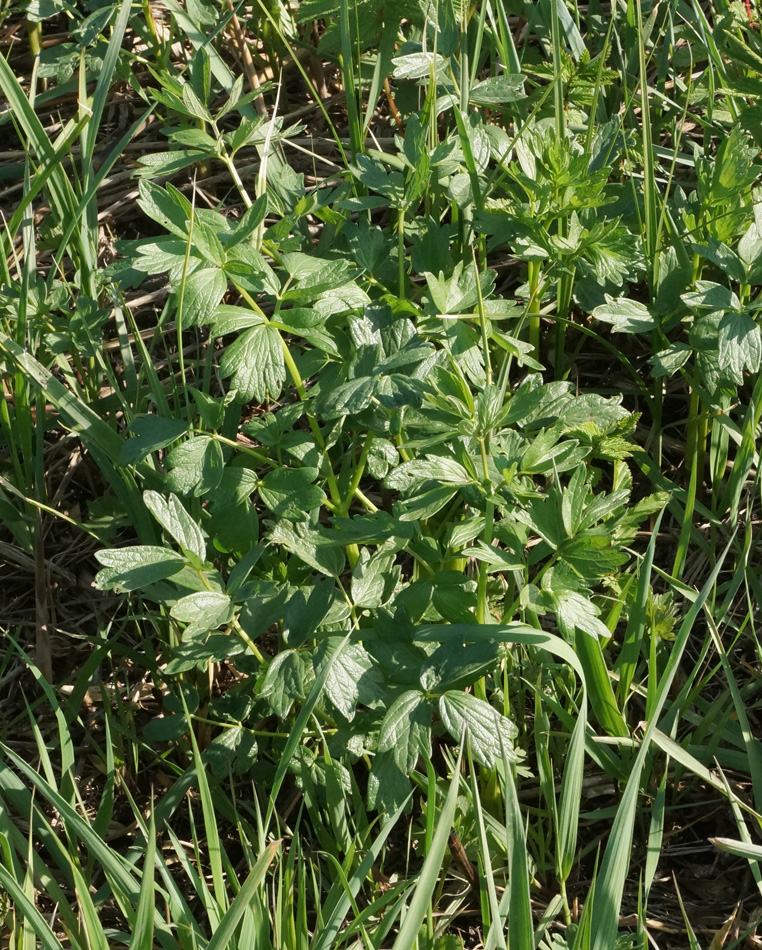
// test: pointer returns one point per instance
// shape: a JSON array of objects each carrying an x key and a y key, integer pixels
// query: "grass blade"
[
  {"x": 616, "y": 858},
  {"x": 427, "y": 881},
  {"x": 223, "y": 935}
]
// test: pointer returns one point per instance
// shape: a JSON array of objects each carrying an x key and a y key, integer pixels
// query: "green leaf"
[
  {"x": 722, "y": 257},
  {"x": 372, "y": 528},
  {"x": 434, "y": 468},
  {"x": 733, "y": 170},
  {"x": 625, "y": 316},
  {"x": 454, "y": 596},
  {"x": 228, "y": 319},
  {"x": 486, "y": 728},
  {"x": 370, "y": 246},
  {"x": 592, "y": 557},
  {"x": 249, "y": 222},
  {"x": 222, "y": 749},
  {"x": 203, "y": 611},
  {"x": 426, "y": 503},
  {"x": 255, "y": 361},
  {"x": 194, "y": 105},
  {"x": 290, "y": 492},
  {"x": 176, "y": 521},
  {"x": 193, "y": 138},
  {"x": 163, "y": 207},
  {"x": 667, "y": 362},
  {"x": 740, "y": 345},
  {"x": 150, "y": 433},
  {"x": 310, "y": 546},
  {"x": 575, "y": 612},
  {"x": 353, "y": 678},
  {"x": 460, "y": 292},
  {"x": 331, "y": 275},
  {"x": 196, "y": 654},
  {"x": 405, "y": 730},
  {"x": 373, "y": 579},
  {"x": 165, "y": 728},
  {"x": 418, "y": 65},
  {"x": 204, "y": 289},
  {"x": 306, "y": 610},
  {"x": 196, "y": 466},
  {"x": 498, "y": 89},
  {"x": 373, "y": 175},
  {"x": 547, "y": 454},
  {"x": 235, "y": 488},
  {"x": 248, "y": 269},
  {"x": 711, "y": 296},
  {"x": 450, "y": 668},
  {"x": 284, "y": 682},
  {"x": 163, "y": 254},
  {"x": 496, "y": 559},
  {"x": 750, "y": 252},
  {"x": 349, "y": 398},
  {"x": 135, "y": 567},
  {"x": 207, "y": 243},
  {"x": 388, "y": 786}
]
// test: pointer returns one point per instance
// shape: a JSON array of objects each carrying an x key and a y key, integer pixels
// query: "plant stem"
[
  {"x": 694, "y": 457},
  {"x": 401, "y": 252},
  {"x": 533, "y": 310},
  {"x": 358, "y": 472}
]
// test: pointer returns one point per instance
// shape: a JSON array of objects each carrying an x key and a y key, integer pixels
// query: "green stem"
[
  {"x": 563, "y": 306},
  {"x": 228, "y": 162},
  {"x": 482, "y": 605},
  {"x": 482, "y": 323},
  {"x": 694, "y": 457},
  {"x": 358, "y": 473},
  {"x": 533, "y": 310},
  {"x": 247, "y": 640},
  {"x": 657, "y": 403},
  {"x": 234, "y": 623},
  {"x": 401, "y": 252},
  {"x": 298, "y": 382},
  {"x": 158, "y": 47},
  {"x": 245, "y": 449},
  {"x": 179, "y": 314}
]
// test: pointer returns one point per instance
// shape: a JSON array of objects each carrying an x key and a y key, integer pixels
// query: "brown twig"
[{"x": 248, "y": 63}]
